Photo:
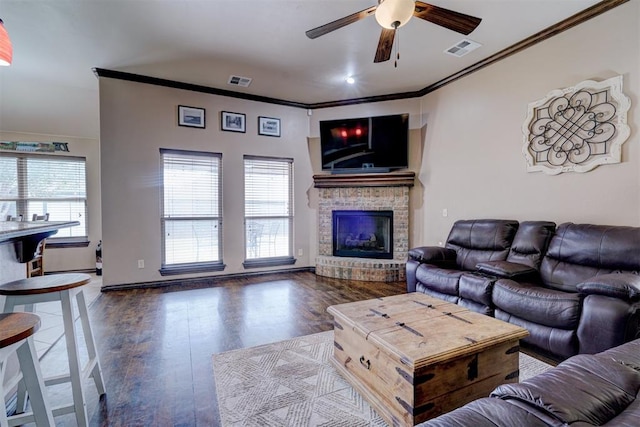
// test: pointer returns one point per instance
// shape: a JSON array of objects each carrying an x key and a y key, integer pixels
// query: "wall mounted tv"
[{"x": 369, "y": 144}]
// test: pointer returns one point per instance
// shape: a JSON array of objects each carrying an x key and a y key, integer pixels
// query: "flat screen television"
[{"x": 369, "y": 144}]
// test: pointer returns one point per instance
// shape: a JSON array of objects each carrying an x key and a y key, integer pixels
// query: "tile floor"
[{"x": 50, "y": 313}]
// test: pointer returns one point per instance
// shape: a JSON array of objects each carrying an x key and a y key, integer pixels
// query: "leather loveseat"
[
  {"x": 585, "y": 390},
  {"x": 575, "y": 288}
]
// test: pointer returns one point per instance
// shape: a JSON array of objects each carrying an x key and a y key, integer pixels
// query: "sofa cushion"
[
  {"x": 530, "y": 242},
  {"x": 481, "y": 240},
  {"x": 487, "y": 310},
  {"x": 505, "y": 269},
  {"x": 578, "y": 252},
  {"x": 445, "y": 297},
  {"x": 625, "y": 286},
  {"x": 476, "y": 287},
  {"x": 582, "y": 389},
  {"x": 628, "y": 353},
  {"x": 628, "y": 418},
  {"x": 486, "y": 412},
  {"x": 555, "y": 342},
  {"x": 432, "y": 254},
  {"x": 439, "y": 279},
  {"x": 540, "y": 305}
]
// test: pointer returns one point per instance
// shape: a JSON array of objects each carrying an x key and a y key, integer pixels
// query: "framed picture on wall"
[
  {"x": 233, "y": 122},
  {"x": 268, "y": 126},
  {"x": 191, "y": 117}
]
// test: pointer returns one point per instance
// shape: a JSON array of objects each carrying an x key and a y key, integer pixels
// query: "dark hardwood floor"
[{"x": 155, "y": 345}]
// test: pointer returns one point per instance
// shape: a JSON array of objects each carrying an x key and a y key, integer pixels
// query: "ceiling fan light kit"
[
  {"x": 393, "y": 14},
  {"x": 6, "y": 50}
]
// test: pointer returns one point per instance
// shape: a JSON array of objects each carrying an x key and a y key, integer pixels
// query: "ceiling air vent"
[
  {"x": 239, "y": 81},
  {"x": 462, "y": 48}
]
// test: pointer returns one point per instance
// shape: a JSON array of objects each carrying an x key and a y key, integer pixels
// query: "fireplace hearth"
[{"x": 362, "y": 234}]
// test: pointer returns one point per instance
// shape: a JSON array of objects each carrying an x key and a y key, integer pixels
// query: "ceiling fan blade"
[
  {"x": 385, "y": 45},
  {"x": 446, "y": 18},
  {"x": 339, "y": 23}
]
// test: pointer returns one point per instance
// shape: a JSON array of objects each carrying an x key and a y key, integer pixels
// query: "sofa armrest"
[
  {"x": 432, "y": 255},
  {"x": 505, "y": 269},
  {"x": 624, "y": 286}
]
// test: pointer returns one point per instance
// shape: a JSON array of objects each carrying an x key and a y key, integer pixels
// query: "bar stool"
[
  {"x": 16, "y": 331},
  {"x": 62, "y": 287}
]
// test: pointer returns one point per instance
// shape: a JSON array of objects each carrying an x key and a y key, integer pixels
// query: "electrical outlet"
[
  {"x": 300, "y": 252},
  {"x": 445, "y": 212},
  {"x": 140, "y": 263}
]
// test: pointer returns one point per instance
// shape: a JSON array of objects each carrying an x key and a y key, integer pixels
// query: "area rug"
[{"x": 292, "y": 383}]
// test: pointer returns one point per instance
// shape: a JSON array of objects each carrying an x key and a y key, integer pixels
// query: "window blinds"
[
  {"x": 268, "y": 195},
  {"x": 191, "y": 217},
  {"x": 268, "y": 189},
  {"x": 37, "y": 184}
]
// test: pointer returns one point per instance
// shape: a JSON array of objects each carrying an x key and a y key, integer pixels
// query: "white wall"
[
  {"x": 137, "y": 120},
  {"x": 47, "y": 107},
  {"x": 473, "y": 165},
  {"x": 471, "y": 140}
]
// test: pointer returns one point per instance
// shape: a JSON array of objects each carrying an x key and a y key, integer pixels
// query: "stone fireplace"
[{"x": 378, "y": 194}]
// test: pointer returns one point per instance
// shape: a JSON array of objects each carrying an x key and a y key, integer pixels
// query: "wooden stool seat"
[
  {"x": 15, "y": 327},
  {"x": 16, "y": 330},
  {"x": 45, "y": 284},
  {"x": 63, "y": 288}
]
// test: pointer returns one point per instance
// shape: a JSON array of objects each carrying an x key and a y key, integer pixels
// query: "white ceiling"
[{"x": 204, "y": 41}]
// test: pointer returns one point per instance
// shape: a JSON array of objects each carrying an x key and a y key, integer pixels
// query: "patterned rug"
[{"x": 292, "y": 383}]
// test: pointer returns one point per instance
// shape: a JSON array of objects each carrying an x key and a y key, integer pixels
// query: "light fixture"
[
  {"x": 350, "y": 80},
  {"x": 393, "y": 14},
  {"x": 6, "y": 50}
]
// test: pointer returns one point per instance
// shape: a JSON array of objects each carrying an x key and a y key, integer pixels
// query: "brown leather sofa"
[
  {"x": 576, "y": 289},
  {"x": 585, "y": 390}
]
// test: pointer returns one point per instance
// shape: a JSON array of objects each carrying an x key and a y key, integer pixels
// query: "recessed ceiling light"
[{"x": 350, "y": 80}]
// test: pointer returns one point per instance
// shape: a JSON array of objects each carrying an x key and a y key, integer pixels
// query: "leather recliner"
[
  {"x": 576, "y": 289},
  {"x": 436, "y": 271},
  {"x": 587, "y": 298},
  {"x": 451, "y": 273},
  {"x": 585, "y": 390}
]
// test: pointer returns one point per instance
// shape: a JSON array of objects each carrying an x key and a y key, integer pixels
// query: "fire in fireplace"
[{"x": 363, "y": 234}]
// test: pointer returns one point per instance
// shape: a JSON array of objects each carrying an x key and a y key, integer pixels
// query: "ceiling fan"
[{"x": 393, "y": 14}]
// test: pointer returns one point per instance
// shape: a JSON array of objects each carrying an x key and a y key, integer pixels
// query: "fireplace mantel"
[{"x": 391, "y": 179}]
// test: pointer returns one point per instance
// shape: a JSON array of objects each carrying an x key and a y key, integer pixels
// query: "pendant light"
[{"x": 6, "y": 50}]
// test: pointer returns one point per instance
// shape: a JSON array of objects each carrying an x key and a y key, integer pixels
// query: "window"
[
  {"x": 38, "y": 184},
  {"x": 268, "y": 211},
  {"x": 191, "y": 212}
]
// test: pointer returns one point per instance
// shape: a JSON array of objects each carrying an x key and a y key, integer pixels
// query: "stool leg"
[
  {"x": 3, "y": 413},
  {"x": 32, "y": 377},
  {"x": 96, "y": 371},
  {"x": 21, "y": 403},
  {"x": 75, "y": 370}
]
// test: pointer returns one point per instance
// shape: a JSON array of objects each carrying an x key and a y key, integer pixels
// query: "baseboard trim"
[
  {"x": 82, "y": 270},
  {"x": 201, "y": 281}
]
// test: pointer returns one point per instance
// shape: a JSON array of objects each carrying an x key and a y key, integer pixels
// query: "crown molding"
[{"x": 572, "y": 21}]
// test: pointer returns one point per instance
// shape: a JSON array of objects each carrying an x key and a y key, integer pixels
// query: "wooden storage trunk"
[{"x": 414, "y": 357}]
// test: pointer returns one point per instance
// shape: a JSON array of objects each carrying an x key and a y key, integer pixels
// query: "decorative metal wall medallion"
[{"x": 577, "y": 128}]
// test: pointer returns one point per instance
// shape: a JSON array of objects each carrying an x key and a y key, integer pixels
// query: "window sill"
[
  {"x": 173, "y": 270},
  {"x": 268, "y": 262},
  {"x": 53, "y": 243}
]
